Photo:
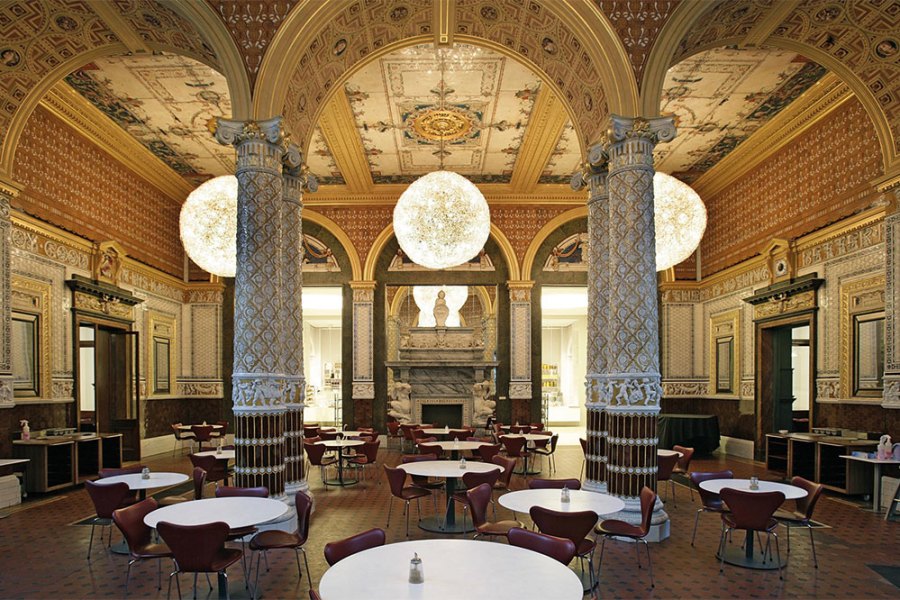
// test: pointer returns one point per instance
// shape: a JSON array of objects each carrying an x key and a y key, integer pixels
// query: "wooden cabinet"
[
  {"x": 776, "y": 453},
  {"x": 817, "y": 458},
  {"x": 57, "y": 463}
]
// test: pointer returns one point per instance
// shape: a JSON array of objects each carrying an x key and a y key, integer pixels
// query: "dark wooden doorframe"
[{"x": 765, "y": 375}]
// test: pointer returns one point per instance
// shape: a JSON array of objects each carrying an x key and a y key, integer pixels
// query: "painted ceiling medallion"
[{"x": 447, "y": 124}]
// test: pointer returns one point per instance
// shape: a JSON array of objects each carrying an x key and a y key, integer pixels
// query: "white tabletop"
[
  {"x": 447, "y": 468},
  {"x": 136, "y": 481},
  {"x": 453, "y": 569},
  {"x": 521, "y": 501},
  {"x": 662, "y": 452},
  {"x": 236, "y": 511},
  {"x": 531, "y": 437},
  {"x": 455, "y": 445},
  {"x": 223, "y": 455},
  {"x": 356, "y": 433},
  {"x": 791, "y": 492},
  {"x": 5, "y": 462},
  {"x": 341, "y": 443},
  {"x": 188, "y": 427},
  {"x": 877, "y": 461},
  {"x": 440, "y": 431}
]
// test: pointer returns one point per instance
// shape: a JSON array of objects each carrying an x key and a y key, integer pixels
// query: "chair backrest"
[
  {"x": 393, "y": 428},
  {"x": 199, "y": 477},
  {"x": 555, "y": 484},
  {"x": 684, "y": 463},
  {"x": 508, "y": 464},
  {"x": 328, "y": 435},
  {"x": 216, "y": 469},
  {"x": 751, "y": 510},
  {"x": 337, "y": 551},
  {"x": 554, "y": 440},
  {"x": 406, "y": 429},
  {"x": 230, "y": 491},
  {"x": 370, "y": 449},
  {"x": 479, "y": 497},
  {"x": 203, "y": 433},
  {"x": 314, "y": 452},
  {"x": 489, "y": 451},
  {"x": 475, "y": 478},
  {"x": 303, "y": 504},
  {"x": 194, "y": 547},
  {"x": 180, "y": 434},
  {"x": 536, "y": 426},
  {"x": 311, "y": 440},
  {"x": 460, "y": 434},
  {"x": 665, "y": 466},
  {"x": 130, "y": 521},
  {"x": 583, "y": 445},
  {"x": 310, "y": 431},
  {"x": 648, "y": 502},
  {"x": 423, "y": 449},
  {"x": 408, "y": 458},
  {"x": 106, "y": 497},
  {"x": 109, "y": 472},
  {"x": 709, "y": 499},
  {"x": 573, "y": 526},
  {"x": 520, "y": 428},
  {"x": 513, "y": 445},
  {"x": 807, "y": 504},
  {"x": 396, "y": 478},
  {"x": 558, "y": 548},
  {"x": 223, "y": 430},
  {"x": 419, "y": 434}
]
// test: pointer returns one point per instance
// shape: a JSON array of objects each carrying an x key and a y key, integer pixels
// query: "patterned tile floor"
[{"x": 43, "y": 556}]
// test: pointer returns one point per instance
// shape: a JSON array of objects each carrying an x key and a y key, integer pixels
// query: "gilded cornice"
[
  {"x": 339, "y": 130},
  {"x": 811, "y": 107},
  {"x": 769, "y": 22},
  {"x": 545, "y": 126},
  {"x": 82, "y": 116},
  {"x": 109, "y": 14},
  {"x": 494, "y": 193}
]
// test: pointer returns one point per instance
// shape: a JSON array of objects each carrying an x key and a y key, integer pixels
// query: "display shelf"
[
  {"x": 839, "y": 474},
  {"x": 776, "y": 453},
  {"x": 802, "y": 458}
]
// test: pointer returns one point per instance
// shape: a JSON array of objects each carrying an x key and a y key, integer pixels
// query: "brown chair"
[
  {"x": 802, "y": 517},
  {"x": 683, "y": 466},
  {"x": 137, "y": 534},
  {"x": 222, "y": 432},
  {"x": 514, "y": 446},
  {"x": 665, "y": 465},
  {"x": 216, "y": 468},
  {"x": 367, "y": 456},
  {"x": 315, "y": 455},
  {"x": 574, "y": 526},
  {"x": 406, "y": 430},
  {"x": 310, "y": 431},
  {"x": 752, "y": 512},
  {"x": 199, "y": 549},
  {"x": 394, "y": 433},
  {"x": 113, "y": 472},
  {"x": 202, "y": 433},
  {"x": 471, "y": 480},
  {"x": 520, "y": 429},
  {"x": 548, "y": 449},
  {"x": 557, "y": 548},
  {"x": 275, "y": 539},
  {"x": 489, "y": 451},
  {"x": 420, "y": 480},
  {"x": 554, "y": 484},
  {"x": 106, "y": 497},
  {"x": 422, "y": 447},
  {"x": 181, "y": 435},
  {"x": 478, "y": 498},
  {"x": 460, "y": 434},
  {"x": 710, "y": 501},
  {"x": 614, "y": 528},
  {"x": 240, "y": 534},
  {"x": 536, "y": 427},
  {"x": 584, "y": 451},
  {"x": 508, "y": 464},
  {"x": 199, "y": 478},
  {"x": 396, "y": 478},
  {"x": 338, "y": 551}
]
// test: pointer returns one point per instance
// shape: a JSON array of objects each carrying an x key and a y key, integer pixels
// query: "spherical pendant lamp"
[
  {"x": 680, "y": 220},
  {"x": 208, "y": 225}
]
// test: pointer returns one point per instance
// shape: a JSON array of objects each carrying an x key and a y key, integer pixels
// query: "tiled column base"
[
  {"x": 595, "y": 457},
  {"x": 294, "y": 460},
  {"x": 260, "y": 449}
]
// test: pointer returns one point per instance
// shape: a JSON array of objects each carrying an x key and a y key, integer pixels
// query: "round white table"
[
  {"x": 450, "y": 470},
  {"x": 453, "y": 569},
  {"x": 236, "y": 511},
  {"x": 663, "y": 452},
  {"x": 521, "y": 501},
  {"x": 137, "y": 482},
  {"x": 223, "y": 455},
  {"x": 188, "y": 427},
  {"x": 746, "y": 557},
  {"x": 440, "y": 430},
  {"x": 455, "y": 446},
  {"x": 340, "y": 445}
]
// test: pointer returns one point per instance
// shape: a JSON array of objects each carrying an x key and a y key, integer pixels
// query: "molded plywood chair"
[
  {"x": 341, "y": 549},
  {"x": 683, "y": 466},
  {"x": 420, "y": 480},
  {"x": 239, "y": 534},
  {"x": 514, "y": 446},
  {"x": 396, "y": 478},
  {"x": 471, "y": 480},
  {"x": 200, "y": 488},
  {"x": 198, "y": 549},
  {"x": 106, "y": 497},
  {"x": 751, "y": 511},
  {"x": 710, "y": 501},
  {"x": 394, "y": 433},
  {"x": 275, "y": 539},
  {"x": 571, "y": 525},
  {"x": 554, "y": 484},
  {"x": 614, "y": 528},
  {"x": 137, "y": 534},
  {"x": 216, "y": 468},
  {"x": 315, "y": 455},
  {"x": 489, "y": 451},
  {"x": 182, "y": 436},
  {"x": 367, "y": 457},
  {"x": 665, "y": 465},
  {"x": 478, "y": 498},
  {"x": 802, "y": 517},
  {"x": 557, "y": 548},
  {"x": 548, "y": 449},
  {"x": 202, "y": 433}
]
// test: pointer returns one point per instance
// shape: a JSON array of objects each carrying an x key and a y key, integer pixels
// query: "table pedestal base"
[
  {"x": 738, "y": 557},
  {"x": 341, "y": 482},
  {"x": 435, "y": 524}
]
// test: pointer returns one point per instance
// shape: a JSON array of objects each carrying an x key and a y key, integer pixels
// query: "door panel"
[
  {"x": 125, "y": 404},
  {"x": 783, "y": 379}
]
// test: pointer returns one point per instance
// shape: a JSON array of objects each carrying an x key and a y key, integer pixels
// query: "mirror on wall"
[
  {"x": 25, "y": 347},
  {"x": 161, "y": 366},
  {"x": 725, "y": 365},
  {"x": 868, "y": 354}
]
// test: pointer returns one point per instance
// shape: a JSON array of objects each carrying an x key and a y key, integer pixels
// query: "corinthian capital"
[
  {"x": 659, "y": 129},
  {"x": 594, "y": 171},
  {"x": 230, "y": 132}
]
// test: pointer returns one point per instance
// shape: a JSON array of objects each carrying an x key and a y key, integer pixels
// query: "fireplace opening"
[{"x": 441, "y": 415}]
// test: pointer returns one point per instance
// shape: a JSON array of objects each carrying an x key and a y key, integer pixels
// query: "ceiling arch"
[{"x": 341, "y": 235}]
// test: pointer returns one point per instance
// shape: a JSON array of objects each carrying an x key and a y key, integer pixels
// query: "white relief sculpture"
[
  {"x": 400, "y": 404},
  {"x": 483, "y": 405}
]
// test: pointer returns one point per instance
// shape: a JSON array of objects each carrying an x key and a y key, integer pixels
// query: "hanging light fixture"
[
  {"x": 208, "y": 225},
  {"x": 679, "y": 218},
  {"x": 442, "y": 219}
]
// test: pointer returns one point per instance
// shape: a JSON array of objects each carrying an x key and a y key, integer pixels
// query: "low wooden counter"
[
  {"x": 818, "y": 458},
  {"x": 63, "y": 461}
]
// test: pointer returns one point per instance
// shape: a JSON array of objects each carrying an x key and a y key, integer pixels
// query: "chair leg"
[
  {"x": 128, "y": 575},
  {"x": 306, "y": 564},
  {"x": 812, "y": 543},
  {"x": 407, "y": 518},
  {"x": 778, "y": 554},
  {"x": 637, "y": 553},
  {"x": 649, "y": 563},
  {"x": 600, "y": 562},
  {"x": 788, "y": 527},
  {"x": 390, "y": 508},
  {"x": 177, "y": 584},
  {"x": 674, "y": 498},
  {"x": 91, "y": 542},
  {"x": 256, "y": 581},
  {"x": 696, "y": 522},
  {"x": 297, "y": 558}
]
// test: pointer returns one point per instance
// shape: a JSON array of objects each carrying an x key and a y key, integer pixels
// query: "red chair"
[
  {"x": 181, "y": 435},
  {"x": 199, "y": 549},
  {"x": 113, "y": 472},
  {"x": 275, "y": 539},
  {"x": 199, "y": 478},
  {"x": 508, "y": 464},
  {"x": 328, "y": 436},
  {"x": 478, "y": 498},
  {"x": 514, "y": 446},
  {"x": 710, "y": 501},
  {"x": 240, "y": 534},
  {"x": 554, "y": 484},
  {"x": 423, "y": 448},
  {"x": 368, "y": 456},
  {"x": 557, "y": 548},
  {"x": 315, "y": 455},
  {"x": 472, "y": 480},
  {"x": 614, "y": 528},
  {"x": 216, "y": 468},
  {"x": 548, "y": 449},
  {"x": 665, "y": 465},
  {"x": 338, "y": 551},
  {"x": 420, "y": 480},
  {"x": 536, "y": 427},
  {"x": 202, "y": 433},
  {"x": 406, "y": 430},
  {"x": 683, "y": 467},
  {"x": 802, "y": 517},
  {"x": 394, "y": 433},
  {"x": 137, "y": 534},
  {"x": 574, "y": 526},
  {"x": 752, "y": 512},
  {"x": 460, "y": 434},
  {"x": 106, "y": 497},
  {"x": 222, "y": 432},
  {"x": 520, "y": 429},
  {"x": 396, "y": 478},
  {"x": 489, "y": 451}
]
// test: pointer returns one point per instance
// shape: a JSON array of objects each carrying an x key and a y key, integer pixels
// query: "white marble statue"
[
  {"x": 441, "y": 312},
  {"x": 400, "y": 404},
  {"x": 483, "y": 406}
]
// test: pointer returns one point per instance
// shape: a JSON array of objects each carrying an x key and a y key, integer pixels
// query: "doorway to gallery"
[
  {"x": 322, "y": 347},
  {"x": 563, "y": 355}
]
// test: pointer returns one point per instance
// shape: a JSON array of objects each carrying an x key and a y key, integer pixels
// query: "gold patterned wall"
[
  {"x": 74, "y": 185},
  {"x": 817, "y": 179}
]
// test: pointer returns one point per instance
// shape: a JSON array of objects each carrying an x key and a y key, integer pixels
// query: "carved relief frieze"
[
  {"x": 860, "y": 238},
  {"x": 199, "y": 389},
  {"x": 30, "y": 239},
  {"x": 140, "y": 280},
  {"x": 192, "y": 296},
  {"x": 520, "y": 390},
  {"x": 828, "y": 389},
  {"x": 785, "y": 305},
  {"x": 63, "y": 389},
  {"x": 891, "y": 392},
  {"x": 106, "y": 306},
  {"x": 363, "y": 390},
  {"x": 685, "y": 388}
]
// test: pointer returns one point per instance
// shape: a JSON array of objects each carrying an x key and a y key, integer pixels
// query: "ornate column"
[
  {"x": 892, "y": 310},
  {"x": 633, "y": 382},
  {"x": 595, "y": 176},
  {"x": 295, "y": 181},
  {"x": 8, "y": 191},
  {"x": 363, "y": 391},
  {"x": 520, "y": 351},
  {"x": 258, "y": 379}
]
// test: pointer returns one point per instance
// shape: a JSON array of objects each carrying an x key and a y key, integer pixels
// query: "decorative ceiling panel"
[
  {"x": 720, "y": 97},
  {"x": 565, "y": 160},
  {"x": 321, "y": 161},
  {"x": 165, "y": 102}
]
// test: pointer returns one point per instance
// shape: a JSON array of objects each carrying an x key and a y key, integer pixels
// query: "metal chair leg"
[
  {"x": 778, "y": 554},
  {"x": 390, "y": 508},
  {"x": 256, "y": 581},
  {"x": 812, "y": 543},
  {"x": 696, "y": 522},
  {"x": 649, "y": 563},
  {"x": 91, "y": 542},
  {"x": 128, "y": 575}
]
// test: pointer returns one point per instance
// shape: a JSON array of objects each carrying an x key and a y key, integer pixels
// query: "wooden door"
[{"x": 125, "y": 402}]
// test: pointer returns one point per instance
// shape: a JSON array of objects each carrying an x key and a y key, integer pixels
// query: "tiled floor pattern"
[{"x": 42, "y": 556}]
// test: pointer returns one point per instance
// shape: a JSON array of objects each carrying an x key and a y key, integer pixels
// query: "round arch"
[
  {"x": 686, "y": 16},
  {"x": 546, "y": 231},
  {"x": 404, "y": 290},
  {"x": 506, "y": 249},
  {"x": 586, "y": 27},
  {"x": 335, "y": 230}
]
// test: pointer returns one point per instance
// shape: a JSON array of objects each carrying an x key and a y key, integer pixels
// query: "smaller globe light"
[
  {"x": 680, "y": 220},
  {"x": 208, "y": 225}
]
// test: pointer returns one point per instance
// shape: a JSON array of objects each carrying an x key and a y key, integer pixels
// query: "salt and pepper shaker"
[
  {"x": 145, "y": 473},
  {"x": 456, "y": 443},
  {"x": 462, "y": 463},
  {"x": 416, "y": 572},
  {"x": 564, "y": 498},
  {"x": 219, "y": 446},
  {"x": 754, "y": 483}
]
